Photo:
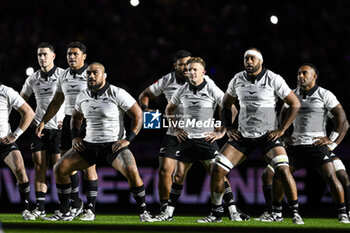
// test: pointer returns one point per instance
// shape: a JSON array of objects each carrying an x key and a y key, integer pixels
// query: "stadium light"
[
  {"x": 134, "y": 2},
  {"x": 29, "y": 71},
  {"x": 274, "y": 19}
]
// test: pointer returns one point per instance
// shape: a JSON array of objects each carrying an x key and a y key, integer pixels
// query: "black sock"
[
  {"x": 163, "y": 204},
  {"x": 228, "y": 195},
  {"x": 277, "y": 207},
  {"x": 64, "y": 191},
  {"x": 267, "y": 189},
  {"x": 341, "y": 208},
  {"x": 91, "y": 194},
  {"x": 24, "y": 191},
  {"x": 139, "y": 194},
  {"x": 40, "y": 200},
  {"x": 347, "y": 196},
  {"x": 294, "y": 206},
  {"x": 74, "y": 196},
  {"x": 175, "y": 193},
  {"x": 217, "y": 210}
]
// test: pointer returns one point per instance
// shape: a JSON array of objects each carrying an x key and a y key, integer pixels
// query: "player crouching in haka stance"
[
  {"x": 257, "y": 90},
  {"x": 103, "y": 105},
  {"x": 198, "y": 99}
]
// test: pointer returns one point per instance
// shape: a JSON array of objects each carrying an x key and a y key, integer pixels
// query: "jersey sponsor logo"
[
  {"x": 151, "y": 120},
  {"x": 94, "y": 108},
  {"x": 72, "y": 86},
  {"x": 194, "y": 102},
  {"x": 46, "y": 89},
  {"x": 252, "y": 92},
  {"x": 177, "y": 153},
  {"x": 325, "y": 157}
]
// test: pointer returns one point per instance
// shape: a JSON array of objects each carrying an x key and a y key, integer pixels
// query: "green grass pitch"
[{"x": 13, "y": 223}]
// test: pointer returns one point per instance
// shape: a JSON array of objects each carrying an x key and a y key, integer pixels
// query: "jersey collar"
[
  {"x": 309, "y": 92},
  {"x": 80, "y": 71},
  {"x": 195, "y": 89},
  {"x": 258, "y": 77},
  {"x": 99, "y": 92},
  {"x": 46, "y": 75}
]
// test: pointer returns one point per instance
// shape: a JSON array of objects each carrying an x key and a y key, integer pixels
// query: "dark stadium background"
[{"x": 136, "y": 45}]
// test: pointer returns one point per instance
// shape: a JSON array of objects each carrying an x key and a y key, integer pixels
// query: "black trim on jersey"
[
  {"x": 178, "y": 79},
  {"x": 80, "y": 71},
  {"x": 99, "y": 92},
  {"x": 195, "y": 89},
  {"x": 304, "y": 93},
  {"x": 46, "y": 75},
  {"x": 257, "y": 77}
]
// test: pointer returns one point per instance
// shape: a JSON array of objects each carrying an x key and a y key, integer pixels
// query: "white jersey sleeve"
[
  {"x": 15, "y": 100},
  {"x": 157, "y": 88},
  {"x": 59, "y": 83},
  {"x": 281, "y": 87},
  {"x": 27, "y": 87},
  {"x": 78, "y": 103},
  {"x": 330, "y": 100},
  {"x": 218, "y": 94},
  {"x": 175, "y": 99},
  {"x": 231, "y": 90},
  {"x": 125, "y": 100}
]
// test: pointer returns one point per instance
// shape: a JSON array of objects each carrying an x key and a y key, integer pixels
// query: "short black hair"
[
  {"x": 181, "y": 54},
  {"x": 312, "y": 66},
  {"x": 77, "y": 44},
  {"x": 46, "y": 45}
]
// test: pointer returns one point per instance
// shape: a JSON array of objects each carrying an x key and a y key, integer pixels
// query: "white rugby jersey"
[
  {"x": 104, "y": 114},
  {"x": 257, "y": 101},
  {"x": 71, "y": 83},
  {"x": 198, "y": 107},
  {"x": 44, "y": 85},
  {"x": 312, "y": 116},
  {"x": 168, "y": 84},
  {"x": 8, "y": 98}
]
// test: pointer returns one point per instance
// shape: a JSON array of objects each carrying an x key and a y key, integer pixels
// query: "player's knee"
[
  {"x": 179, "y": 177},
  {"x": 165, "y": 171},
  {"x": 267, "y": 175},
  {"x": 132, "y": 172},
  {"x": 343, "y": 177},
  {"x": 59, "y": 170},
  {"x": 222, "y": 164}
]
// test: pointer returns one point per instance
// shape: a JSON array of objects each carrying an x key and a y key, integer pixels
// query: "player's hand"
[
  {"x": 275, "y": 134},
  {"x": 8, "y": 139},
  {"x": 181, "y": 134},
  {"x": 322, "y": 141},
  {"x": 77, "y": 144},
  {"x": 120, "y": 144},
  {"x": 233, "y": 134},
  {"x": 39, "y": 129},
  {"x": 217, "y": 134},
  {"x": 60, "y": 124}
]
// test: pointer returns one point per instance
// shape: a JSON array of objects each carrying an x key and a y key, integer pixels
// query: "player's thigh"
[
  {"x": 166, "y": 164},
  {"x": 70, "y": 161},
  {"x": 15, "y": 161},
  {"x": 125, "y": 163},
  {"x": 232, "y": 154},
  {"x": 273, "y": 152}
]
